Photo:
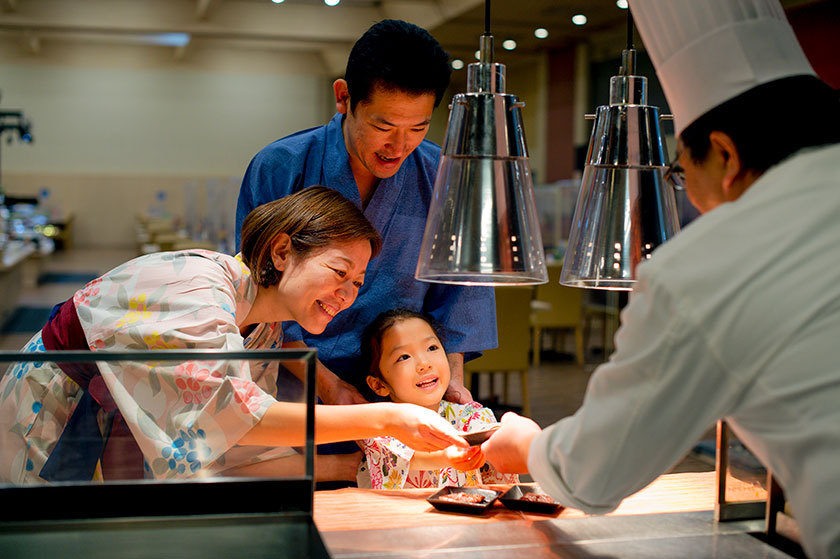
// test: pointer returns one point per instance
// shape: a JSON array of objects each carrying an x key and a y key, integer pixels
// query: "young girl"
[{"x": 407, "y": 363}]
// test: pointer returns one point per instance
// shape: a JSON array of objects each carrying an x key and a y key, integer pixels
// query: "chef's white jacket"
[{"x": 738, "y": 317}]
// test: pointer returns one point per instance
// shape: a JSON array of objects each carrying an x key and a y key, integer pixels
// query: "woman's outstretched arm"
[{"x": 284, "y": 425}]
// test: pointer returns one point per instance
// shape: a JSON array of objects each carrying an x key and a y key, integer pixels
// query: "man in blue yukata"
[{"x": 373, "y": 152}]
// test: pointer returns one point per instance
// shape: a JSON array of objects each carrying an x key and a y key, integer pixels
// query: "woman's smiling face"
[
  {"x": 315, "y": 288},
  {"x": 413, "y": 364}
]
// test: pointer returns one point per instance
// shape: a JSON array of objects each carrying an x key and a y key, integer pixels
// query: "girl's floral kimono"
[
  {"x": 186, "y": 418},
  {"x": 386, "y": 461}
]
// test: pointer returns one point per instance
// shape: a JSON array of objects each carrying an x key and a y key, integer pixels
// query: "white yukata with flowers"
[
  {"x": 187, "y": 417},
  {"x": 386, "y": 464}
]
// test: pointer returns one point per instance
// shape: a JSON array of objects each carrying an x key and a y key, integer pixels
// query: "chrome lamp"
[
  {"x": 625, "y": 207},
  {"x": 482, "y": 227}
]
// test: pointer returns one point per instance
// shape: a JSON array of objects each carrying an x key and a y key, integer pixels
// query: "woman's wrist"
[{"x": 384, "y": 418}]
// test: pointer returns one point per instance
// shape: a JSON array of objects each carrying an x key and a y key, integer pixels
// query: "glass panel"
[{"x": 148, "y": 418}]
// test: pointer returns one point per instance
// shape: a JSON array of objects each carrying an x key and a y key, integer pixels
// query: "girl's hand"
[
  {"x": 464, "y": 459},
  {"x": 420, "y": 428}
]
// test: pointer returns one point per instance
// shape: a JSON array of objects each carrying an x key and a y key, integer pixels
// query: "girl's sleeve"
[{"x": 388, "y": 461}]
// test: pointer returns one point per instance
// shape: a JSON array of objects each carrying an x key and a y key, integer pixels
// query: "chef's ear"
[
  {"x": 378, "y": 386},
  {"x": 342, "y": 96},
  {"x": 728, "y": 157},
  {"x": 281, "y": 248}
]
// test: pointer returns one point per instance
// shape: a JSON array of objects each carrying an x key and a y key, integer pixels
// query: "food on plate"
[
  {"x": 462, "y": 497},
  {"x": 537, "y": 498}
]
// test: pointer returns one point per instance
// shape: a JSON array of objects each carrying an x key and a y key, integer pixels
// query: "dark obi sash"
[{"x": 82, "y": 443}]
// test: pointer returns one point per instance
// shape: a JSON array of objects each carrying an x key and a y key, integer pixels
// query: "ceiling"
[{"x": 309, "y": 25}]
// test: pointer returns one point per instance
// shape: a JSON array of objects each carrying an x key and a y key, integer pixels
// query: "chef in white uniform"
[{"x": 738, "y": 317}]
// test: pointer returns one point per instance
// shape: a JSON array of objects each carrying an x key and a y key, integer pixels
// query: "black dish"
[
  {"x": 477, "y": 437},
  {"x": 489, "y": 495},
  {"x": 512, "y": 499}
]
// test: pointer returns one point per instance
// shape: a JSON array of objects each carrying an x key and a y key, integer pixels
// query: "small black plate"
[
  {"x": 512, "y": 499},
  {"x": 469, "y": 508},
  {"x": 475, "y": 438}
]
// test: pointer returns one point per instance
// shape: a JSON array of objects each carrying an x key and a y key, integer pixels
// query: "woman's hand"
[
  {"x": 464, "y": 459},
  {"x": 508, "y": 448},
  {"x": 420, "y": 428}
]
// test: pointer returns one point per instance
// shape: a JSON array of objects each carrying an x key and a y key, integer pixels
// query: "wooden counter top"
[
  {"x": 364, "y": 509},
  {"x": 672, "y": 517}
]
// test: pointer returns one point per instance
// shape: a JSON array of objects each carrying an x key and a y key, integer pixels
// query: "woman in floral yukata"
[
  {"x": 303, "y": 258},
  {"x": 407, "y": 363}
]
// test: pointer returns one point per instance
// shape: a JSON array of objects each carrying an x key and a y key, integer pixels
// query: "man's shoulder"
[{"x": 294, "y": 143}]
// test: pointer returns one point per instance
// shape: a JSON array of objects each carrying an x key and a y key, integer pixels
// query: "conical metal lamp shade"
[
  {"x": 625, "y": 208},
  {"x": 482, "y": 227}
]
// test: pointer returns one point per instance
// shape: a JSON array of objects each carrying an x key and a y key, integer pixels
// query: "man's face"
[{"x": 383, "y": 130}]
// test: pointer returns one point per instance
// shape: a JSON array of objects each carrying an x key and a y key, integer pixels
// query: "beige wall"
[{"x": 112, "y": 128}]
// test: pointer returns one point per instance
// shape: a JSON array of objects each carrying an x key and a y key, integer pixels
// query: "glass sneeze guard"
[{"x": 212, "y": 508}]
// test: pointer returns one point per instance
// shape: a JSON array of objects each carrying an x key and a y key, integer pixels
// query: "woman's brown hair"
[{"x": 313, "y": 218}]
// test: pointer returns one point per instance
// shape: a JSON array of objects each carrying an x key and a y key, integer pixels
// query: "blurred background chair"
[
  {"x": 557, "y": 308},
  {"x": 513, "y": 309}
]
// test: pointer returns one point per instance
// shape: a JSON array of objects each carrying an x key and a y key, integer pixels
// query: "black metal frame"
[{"x": 152, "y": 498}]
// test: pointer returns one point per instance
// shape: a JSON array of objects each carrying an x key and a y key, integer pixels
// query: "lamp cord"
[
  {"x": 629, "y": 30},
  {"x": 487, "y": 17}
]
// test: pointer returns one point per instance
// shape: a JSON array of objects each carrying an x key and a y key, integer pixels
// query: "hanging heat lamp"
[
  {"x": 482, "y": 227},
  {"x": 625, "y": 208}
]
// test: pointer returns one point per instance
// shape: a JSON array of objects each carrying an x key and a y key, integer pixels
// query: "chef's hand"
[
  {"x": 508, "y": 448},
  {"x": 336, "y": 391},
  {"x": 420, "y": 428}
]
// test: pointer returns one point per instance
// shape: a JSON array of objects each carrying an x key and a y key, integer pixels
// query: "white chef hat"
[{"x": 707, "y": 52}]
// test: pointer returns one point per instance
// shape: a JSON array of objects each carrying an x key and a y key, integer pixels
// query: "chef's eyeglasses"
[{"x": 675, "y": 174}]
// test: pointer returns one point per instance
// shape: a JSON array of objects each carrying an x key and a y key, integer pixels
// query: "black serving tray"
[
  {"x": 512, "y": 499},
  {"x": 475, "y": 438},
  {"x": 489, "y": 495}
]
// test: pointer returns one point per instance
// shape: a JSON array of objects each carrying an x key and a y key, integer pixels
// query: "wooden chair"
[
  {"x": 513, "y": 308},
  {"x": 557, "y": 307}
]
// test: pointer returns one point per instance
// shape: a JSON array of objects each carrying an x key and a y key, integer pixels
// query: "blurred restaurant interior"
[{"x": 126, "y": 127}]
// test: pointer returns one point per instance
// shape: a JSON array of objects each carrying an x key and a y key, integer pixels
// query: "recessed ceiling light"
[
  {"x": 332, "y": 2},
  {"x": 277, "y": 1},
  {"x": 457, "y": 64},
  {"x": 621, "y": 4},
  {"x": 478, "y": 55},
  {"x": 540, "y": 32},
  {"x": 509, "y": 44},
  {"x": 579, "y": 19}
]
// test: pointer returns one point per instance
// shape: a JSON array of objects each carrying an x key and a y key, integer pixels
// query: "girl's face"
[
  {"x": 413, "y": 365},
  {"x": 316, "y": 288}
]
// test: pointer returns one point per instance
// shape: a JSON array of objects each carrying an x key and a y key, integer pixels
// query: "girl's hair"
[
  {"x": 313, "y": 218},
  {"x": 372, "y": 341}
]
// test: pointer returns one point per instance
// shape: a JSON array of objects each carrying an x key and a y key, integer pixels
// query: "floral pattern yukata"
[
  {"x": 387, "y": 460},
  {"x": 185, "y": 417}
]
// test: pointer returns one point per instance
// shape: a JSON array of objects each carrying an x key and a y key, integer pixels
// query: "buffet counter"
[{"x": 672, "y": 517}]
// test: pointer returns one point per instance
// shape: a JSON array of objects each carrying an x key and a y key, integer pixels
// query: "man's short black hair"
[
  {"x": 396, "y": 55},
  {"x": 770, "y": 122}
]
